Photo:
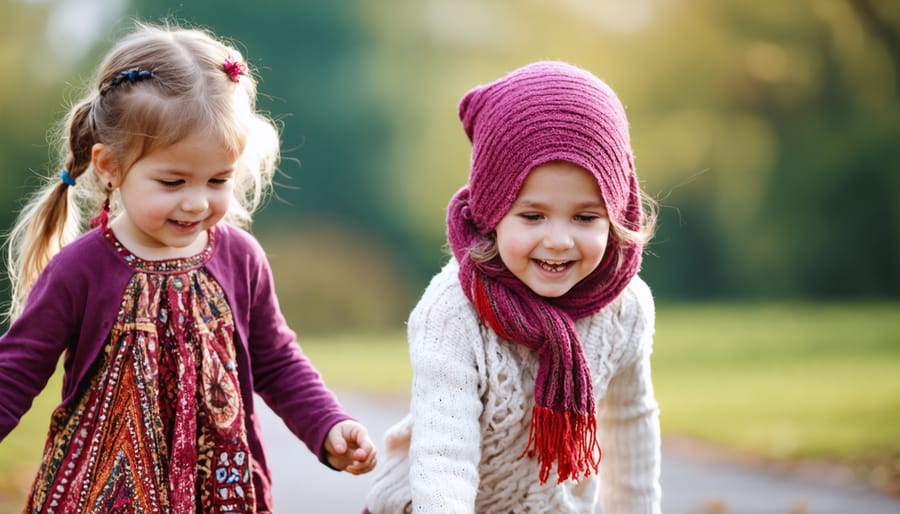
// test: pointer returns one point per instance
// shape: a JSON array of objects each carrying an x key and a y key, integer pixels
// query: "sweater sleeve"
[
  {"x": 445, "y": 448},
  {"x": 629, "y": 420},
  {"x": 282, "y": 375},
  {"x": 30, "y": 349}
]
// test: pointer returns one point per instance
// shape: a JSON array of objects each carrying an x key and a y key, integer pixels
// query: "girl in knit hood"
[{"x": 531, "y": 348}]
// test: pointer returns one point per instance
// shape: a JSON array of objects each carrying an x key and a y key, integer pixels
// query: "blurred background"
[{"x": 769, "y": 134}]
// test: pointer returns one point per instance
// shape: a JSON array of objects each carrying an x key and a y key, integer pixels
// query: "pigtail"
[{"x": 51, "y": 218}]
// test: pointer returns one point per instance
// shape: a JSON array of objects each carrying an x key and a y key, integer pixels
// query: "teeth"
[{"x": 553, "y": 266}]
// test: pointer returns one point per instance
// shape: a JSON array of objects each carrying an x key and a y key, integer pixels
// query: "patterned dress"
[{"x": 158, "y": 426}]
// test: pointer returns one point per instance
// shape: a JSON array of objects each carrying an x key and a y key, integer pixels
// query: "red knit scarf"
[{"x": 563, "y": 423}]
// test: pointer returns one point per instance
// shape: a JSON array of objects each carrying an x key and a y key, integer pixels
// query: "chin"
[{"x": 554, "y": 293}]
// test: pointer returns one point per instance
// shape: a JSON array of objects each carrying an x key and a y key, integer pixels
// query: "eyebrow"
[
  {"x": 578, "y": 206},
  {"x": 184, "y": 173}
]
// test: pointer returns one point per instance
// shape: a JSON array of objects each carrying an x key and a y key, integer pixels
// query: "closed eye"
[
  {"x": 218, "y": 181},
  {"x": 171, "y": 183},
  {"x": 531, "y": 216},
  {"x": 587, "y": 218}
]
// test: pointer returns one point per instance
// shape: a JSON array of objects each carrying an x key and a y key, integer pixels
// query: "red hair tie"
[{"x": 234, "y": 69}]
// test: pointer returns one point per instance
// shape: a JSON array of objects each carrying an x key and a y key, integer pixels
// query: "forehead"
[
  {"x": 560, "y": 179},
  {"x": 156, "y": 123},
  {"x": 195, "y": 153}
]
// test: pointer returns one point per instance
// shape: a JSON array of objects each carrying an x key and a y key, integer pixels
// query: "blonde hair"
[{"x": 188, "y": 91}]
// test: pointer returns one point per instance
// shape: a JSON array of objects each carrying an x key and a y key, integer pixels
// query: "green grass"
[
  {"x": 817, "y": 381},
  {"x": 779, "y": 380},
  {"x": 376, "y": 363}
]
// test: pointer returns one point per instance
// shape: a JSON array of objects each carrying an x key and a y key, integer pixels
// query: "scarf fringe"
[{"x": 564, "y": 437}]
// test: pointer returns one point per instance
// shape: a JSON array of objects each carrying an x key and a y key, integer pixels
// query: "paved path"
[{"x": 693, "y": 482}]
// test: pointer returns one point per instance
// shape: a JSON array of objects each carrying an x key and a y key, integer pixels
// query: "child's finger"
[
  {"x": 358, "y": 468},
  {"x": 362, "y": 439},
  {"x": 337, "y": 442},
  {"x": 367, "y": 460}
]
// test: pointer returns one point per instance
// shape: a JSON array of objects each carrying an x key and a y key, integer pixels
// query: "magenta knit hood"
[{"x": 543, "y": 112}]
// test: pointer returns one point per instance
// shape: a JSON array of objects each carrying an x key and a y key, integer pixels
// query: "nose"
[
  {"x": 558, "y": 236},
  {"x": 194, "y": 202}
]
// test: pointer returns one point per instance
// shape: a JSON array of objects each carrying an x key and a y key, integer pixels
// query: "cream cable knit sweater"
[{"x": 458, "y": 449}]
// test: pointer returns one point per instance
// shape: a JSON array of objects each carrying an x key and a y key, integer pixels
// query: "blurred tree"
[
  {"x": 831, "y": 205},
  {"x": 769, "y": 135},
  {"x": 40, "y": 56},
  {"x": 882, "y": 24},
  {"x": 27, "y": 100},
  {"x": 313, "y": 63}
]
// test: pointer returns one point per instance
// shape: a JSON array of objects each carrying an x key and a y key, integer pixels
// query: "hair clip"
[
  {"x": 131, "y": 76},
  {"x": 234, "y": 69},
  {"x": 67, "y": 179}
]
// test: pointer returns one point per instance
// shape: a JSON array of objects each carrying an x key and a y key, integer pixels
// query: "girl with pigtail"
[
  {"x": 530, "y": 349},
  {"x": 135, "y": 264}
]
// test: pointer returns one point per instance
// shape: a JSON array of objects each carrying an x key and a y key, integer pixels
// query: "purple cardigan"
[{"x": 74, "y": 304}]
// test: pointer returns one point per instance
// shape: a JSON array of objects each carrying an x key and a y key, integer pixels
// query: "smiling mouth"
[
  {"x": 185, "y": 223},
  {"x": 553, "y": 266}
]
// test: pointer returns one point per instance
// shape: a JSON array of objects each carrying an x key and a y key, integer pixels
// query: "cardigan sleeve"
[
  {"x": 282, "y": 375},
  {"x": 445, "y": 404},
  {"x": 629, "y": 419},
  {"x": 31, "y": 348}
]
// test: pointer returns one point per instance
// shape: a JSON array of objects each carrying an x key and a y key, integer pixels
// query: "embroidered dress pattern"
[{"x": 158, "y": 426}]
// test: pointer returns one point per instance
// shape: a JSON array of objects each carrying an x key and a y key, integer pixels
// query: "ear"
[{"x": 106, "y": 166}]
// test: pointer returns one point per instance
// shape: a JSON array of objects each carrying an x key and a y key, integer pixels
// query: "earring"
[{"x": 102, "y": 218}]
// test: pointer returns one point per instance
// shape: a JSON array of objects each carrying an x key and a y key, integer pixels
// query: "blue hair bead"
[
  {"x": 67, "y": 179},
  {"x": 131, "y": 76}
]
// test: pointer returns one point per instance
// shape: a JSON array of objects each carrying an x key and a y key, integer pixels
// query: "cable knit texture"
[
  {"x": 457, "y": 451},
  {"x": 543, "y": 112}
]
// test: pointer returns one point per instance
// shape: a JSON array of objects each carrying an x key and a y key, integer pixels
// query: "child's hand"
[{"x": 349, "y": 448}]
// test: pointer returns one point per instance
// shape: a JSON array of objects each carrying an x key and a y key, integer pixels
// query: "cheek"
[
  {"x": 514, "y": 247},
  {"x": 221, "y": 199},
  {"x": 597, "y": 245},
  {"x": 151, "y": 207}
]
